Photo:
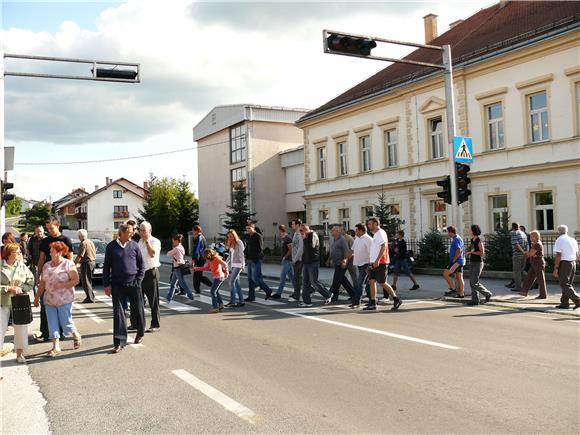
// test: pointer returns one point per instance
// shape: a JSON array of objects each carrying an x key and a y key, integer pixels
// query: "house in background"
[{"x": 65, "y": 208}]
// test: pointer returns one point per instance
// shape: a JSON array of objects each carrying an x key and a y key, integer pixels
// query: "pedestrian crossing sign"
[{"x": 463, "y": 149}]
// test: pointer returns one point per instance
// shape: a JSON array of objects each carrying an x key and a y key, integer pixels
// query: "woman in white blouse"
[{"x": 178, "y": 256}]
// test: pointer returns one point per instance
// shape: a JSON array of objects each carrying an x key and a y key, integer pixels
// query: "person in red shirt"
[{"x": 219, "y": 271}]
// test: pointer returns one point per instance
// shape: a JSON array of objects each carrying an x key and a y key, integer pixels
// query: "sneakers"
[
  {"x": 293, "y": 299},
  {"x": 304, "y": 305},
  {"x": 353, "y": 305},
  {"x": 396, "y": 304},
  {"x": 383, "y": 301},
  {"x": 229, "y": 305},
  {"x": 327, "y": 301},
  {"x": 275, "y": 296},
  {"x": 240, "y": 304},
  {"x": 372, "y": 307},
  {"x": 488, "y": 297},
  {"x": 268, "y": 296},
  {"x": 451, "y": 292},
  {"x": 415, "y": 287}
]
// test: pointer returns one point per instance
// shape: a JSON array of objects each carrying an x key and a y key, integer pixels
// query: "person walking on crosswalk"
[
  {"x": 311, "y": 264},
  {"x": 220, "y": 272}
]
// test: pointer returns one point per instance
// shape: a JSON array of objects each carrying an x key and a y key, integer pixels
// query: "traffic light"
[
  {"x": 112, "y": 73},
  {"x": 445, "y": 194},
  {"x": 5, "y": 196},
  {"x": 463, "y": 181},
  {"x": 350, "y": 44}
]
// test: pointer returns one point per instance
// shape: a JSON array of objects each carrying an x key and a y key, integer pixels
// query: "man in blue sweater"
[{"x": 123, "y": 271}]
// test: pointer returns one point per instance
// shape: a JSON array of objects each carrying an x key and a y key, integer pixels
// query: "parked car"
[{"x": 100, "y": 246}]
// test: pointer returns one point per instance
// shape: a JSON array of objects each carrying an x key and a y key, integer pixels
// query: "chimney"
[
  {"x": 455, "y": 23},
  {"x": 430, "y": 22},
  {"x": 107, "y": 181},
  {"x": 145, "y": 185},
  {"x": 503, "y": 3},
  {"x": 96, "y": 187}
]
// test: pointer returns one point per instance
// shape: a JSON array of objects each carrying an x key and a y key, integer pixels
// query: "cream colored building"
[
  {"x": 241, "y": 145},
  {"x": 517, "y": 91}
]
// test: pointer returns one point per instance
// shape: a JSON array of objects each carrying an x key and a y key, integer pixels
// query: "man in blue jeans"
[
  {"x": 254, "y": 253},
  {"x": 286, "y": 263}
]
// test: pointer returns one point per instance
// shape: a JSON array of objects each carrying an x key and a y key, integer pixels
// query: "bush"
[
  {"x": 433, "y": 251},
  {"x": 498, "y": 250}
]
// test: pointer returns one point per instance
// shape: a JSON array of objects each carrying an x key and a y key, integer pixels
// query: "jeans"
[
  {"x": 255, "y": 278},
  {"x": 362, "y": 281},
  {"x": 177, "y": 277},
  {"x": 285, "y": 272},
  {"x": 339, "y": 278},
  {"x": 235, "y": 286},
  {"x": 199, "y": 278},
  {"x": 86, "y": 276},
  {"x": 477, "y": 287},
  {"x": 310, "y": 280},
  {"x": 216, "y": 299},
  {"x": 297, "y": 281},
  {"x": 60, "y": 316}
]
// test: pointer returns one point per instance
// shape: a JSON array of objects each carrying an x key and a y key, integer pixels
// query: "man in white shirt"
[
  {"x": 361, "y": 259},
  {"x": 566, "y": 249},
  {"x": 150, "y": 248}
]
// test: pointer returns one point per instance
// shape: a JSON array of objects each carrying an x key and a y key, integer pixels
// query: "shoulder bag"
[{"x": 21, "y": 307}]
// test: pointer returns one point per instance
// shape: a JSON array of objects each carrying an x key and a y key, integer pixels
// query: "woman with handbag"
[
  {"x": 180, "y": 268},
  {"x": 16, "y": 281},
  {"x": 59, "y": 277}
]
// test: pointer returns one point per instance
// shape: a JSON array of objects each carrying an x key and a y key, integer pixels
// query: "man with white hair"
[
  {"x": 86, "y": 257},
  {"x": 150, "y": 249},
  {"x": 566, "y": 249}
]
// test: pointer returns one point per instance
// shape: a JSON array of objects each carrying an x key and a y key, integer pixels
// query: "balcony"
[
  {"x": 120, "y": 214},
  {"x": 81, "y": 216}
]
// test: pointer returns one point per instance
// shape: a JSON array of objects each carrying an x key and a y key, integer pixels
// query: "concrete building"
[
  {"x": 517, "y": 92},
  {"x": 239, "y": 145},
  {"x": 292, "y": 163}
]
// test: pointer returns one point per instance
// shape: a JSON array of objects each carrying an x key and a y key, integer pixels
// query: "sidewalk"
[{"x": 434, "y": 287}]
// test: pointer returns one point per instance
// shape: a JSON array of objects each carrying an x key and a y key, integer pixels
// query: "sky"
[{"x": 193, "y": 56}]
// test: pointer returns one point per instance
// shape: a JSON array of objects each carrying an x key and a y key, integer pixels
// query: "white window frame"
[
  {"x": 438, "y": 218},
  {"x": 436, "y": 140},
  {"x": 544, "y": 208},
  {"x": 365, "y": 153},
  {"x": 117, "y": 194},
  {"x": 500, "y": 212},
  {"x": 391, "y": 152},
  {"x": 495, "y": 127},
  {"x": 324, "y": 218},
  {"x": 364, "y": 215},
  {"x": 238, "y": 143},
  {"x": 544, "y": 132},
  {"x": 344, "y": 217},
  {"x": 342, "y": 153},
  {"x": 321, "y": 159}
]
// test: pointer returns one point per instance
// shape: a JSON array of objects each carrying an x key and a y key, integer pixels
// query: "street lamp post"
[
  {"x": 350, "y": 44},
  {"x": 105, "y": 71}
]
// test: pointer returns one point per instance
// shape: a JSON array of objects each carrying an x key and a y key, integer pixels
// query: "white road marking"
[
  {"x": 216, "y": 395},
  {"x": 177, "y": 306},
  {"x": 131, "y": 341},
  {"x": 88, "y": 313},
  {"x": 373, "y": 331},
  {"x": 106, "y": 300}
]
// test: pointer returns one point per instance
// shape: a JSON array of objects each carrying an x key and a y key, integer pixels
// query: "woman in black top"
[{"x": 476, "y": 253}]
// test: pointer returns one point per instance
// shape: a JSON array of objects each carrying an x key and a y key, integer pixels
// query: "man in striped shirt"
[{"x": 519, "y": 243}]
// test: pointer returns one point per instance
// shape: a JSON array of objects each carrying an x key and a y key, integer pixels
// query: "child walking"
[{"x": 219, "y": 271}]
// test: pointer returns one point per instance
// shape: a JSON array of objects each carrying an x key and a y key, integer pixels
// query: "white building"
[
  {"x": 517, "y": 91},
  {"x": 106, "y": 208},
  {"x": 292, "y": 163},
  {"x": 239, "y": 145}
]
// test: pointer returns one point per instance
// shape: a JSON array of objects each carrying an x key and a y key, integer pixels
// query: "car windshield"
[{"x": 100, "y": 245}]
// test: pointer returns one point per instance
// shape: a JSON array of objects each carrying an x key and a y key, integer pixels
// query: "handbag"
[
  {"x": 21, "y": 307},
  {"x": 185, "y": 268}
]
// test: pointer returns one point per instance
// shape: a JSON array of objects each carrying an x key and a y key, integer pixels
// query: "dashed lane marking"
[{"x": 88, "y": 313}]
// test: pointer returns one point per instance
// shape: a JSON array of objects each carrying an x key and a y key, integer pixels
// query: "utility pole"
[{"x": 349, "y": 44}]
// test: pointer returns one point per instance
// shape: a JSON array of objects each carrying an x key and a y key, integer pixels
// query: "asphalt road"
[{"x": 432, "y": 367}]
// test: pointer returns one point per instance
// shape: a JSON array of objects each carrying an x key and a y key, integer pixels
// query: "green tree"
[
  {"x": 186, "y": 207},
  {"x": 498, "y": 250},
  {"x": 433, "y": 250},
  {"x": 37, "y": 215},
  {"x": 239, "y": 213},
  {"x": 13, "y": 207},
  {"x": 390, "y": 223}
]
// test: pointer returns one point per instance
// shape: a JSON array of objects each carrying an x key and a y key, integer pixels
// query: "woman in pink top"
[
  {"x": 219, "y": 270},
  {"x": 178, "y": 256},
  {"x": 59, "y": 277}
]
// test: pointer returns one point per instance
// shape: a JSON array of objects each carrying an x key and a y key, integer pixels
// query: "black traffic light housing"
[
  {"x": 4, "y": 195},
  {"x": 113, "y": 73},
  {"x": 463, "y": 181},
  {"x": 350, "y": 44},
  {"x": 445, "y": 194}
]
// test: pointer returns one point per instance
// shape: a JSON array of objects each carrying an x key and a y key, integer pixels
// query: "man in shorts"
[
  {"x": 456, "y": 263},
  {"x": 378, "y": 269}
]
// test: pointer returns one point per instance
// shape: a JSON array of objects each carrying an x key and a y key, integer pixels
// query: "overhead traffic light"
[
  {"x": 463, "y": 182},
  {"x": 113, "y": 73},
  {"x": 445, "y": 194},
  {"x": 5, "y": 196},
  {"x": 350, "y": 44}
]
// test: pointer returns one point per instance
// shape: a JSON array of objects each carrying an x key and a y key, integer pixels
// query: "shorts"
[
  {"x": 456, "y": 268},
  {"x": 379, "y": 274},
  {"x": 402, "y": 266}
]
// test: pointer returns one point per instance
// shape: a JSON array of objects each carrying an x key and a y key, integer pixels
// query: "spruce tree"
[
  {"x": 239, "y": 213},
  {"x": 382, "y": 211}
]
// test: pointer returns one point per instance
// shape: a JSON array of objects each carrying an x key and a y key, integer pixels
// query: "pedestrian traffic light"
[
  {"x": 113, "y": 73},
  {"x": 5, "y": 196},
  {"x": 350, "y": 44},
  {"x": 445, "y": 194},
  {"x": 463, "y": 181}
]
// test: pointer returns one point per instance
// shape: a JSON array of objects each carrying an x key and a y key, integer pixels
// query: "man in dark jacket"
[
  {"x": 254, "y": 254},
  {"x": 310, "y": 265},
  {"x": 199, "y": 245}
]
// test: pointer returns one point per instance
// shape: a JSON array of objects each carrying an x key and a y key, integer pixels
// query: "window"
[
  {"x": 499, "y": 212},
  {"x": 438, "y": 215},
  {"x": 342, "y": 159},
  {"x": 538, "y": 106},
  {"x": 544, "y": 211},
  {"x": 321, "y": 163},
  {"x": 365, "y": 150},
  {"x": 117, "y": 194},
  {"x": 436, "y": 137},
  {"x": 323, "y": 217},
  {"x": 344, "y": 217},
  {"x": 116, "y": 224},
  {"x": 238, "y": 143},
  {"x": 394, "y": 210},
  {"x": 239, "y": 178},
  {"x": 495, "y": 137},
  {"x": 391, "y": 147},
  {"x": 367, "y": 212},
  {"x": 120, "y": 208}
]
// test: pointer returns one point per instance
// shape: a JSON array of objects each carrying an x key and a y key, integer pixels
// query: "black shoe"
[
  {"x": 240, "y": 304},
  {"x": 268, "y": 296},
  {"x": 488, "y": 297},
  {"x": 563, "y": 307},
  {"x": 197, "y": 292},
  {"x": 576, "y": 306},
  {"x": 249, "y": 300},
  {"x": 152, "y": 329},
  {"x": 415, "y": 287},
  {"x": 353, "y": 305},
  {"x": 515, "y": 290},
  {"x": 334, "y": 298},
  {"x": 229, "y": 305},
  {"x": 459, "y": 296},
  {"x": 131, "y": 328},
  {"x": 396, "y": 304},
  {"x": 276, "y": 296},
  {"x": 473, "y": 303},
  {"x": 370, "y": 308},
  {"x": 451, "y": 292},
  {"x": 510, "y": 284}
]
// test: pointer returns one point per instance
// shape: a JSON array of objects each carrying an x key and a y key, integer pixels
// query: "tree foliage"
[
  {"x": 239, "y": 213},
  {"x": 13, "y": 207},
  {"x": 37, "y": 215},
  {"x": 170, "y": 207},
  {"x": 390, "y": 223},
  {"x": 498, "y": 250},
  {"x": 433, "y": 251}
]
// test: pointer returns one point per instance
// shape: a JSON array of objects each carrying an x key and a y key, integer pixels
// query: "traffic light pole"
[
  {"x": 2, "y": 207},
  {"x": 450, "y": 115}
]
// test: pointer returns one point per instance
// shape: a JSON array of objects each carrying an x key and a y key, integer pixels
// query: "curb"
[{"x": 514, "y": 305}]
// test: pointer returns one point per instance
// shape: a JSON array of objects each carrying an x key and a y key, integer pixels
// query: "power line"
[{"x": 117, "y": 159}]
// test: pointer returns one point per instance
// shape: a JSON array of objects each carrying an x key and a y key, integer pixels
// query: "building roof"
[
  {"x": 489, "y": 31},
  {"x": 70, "y": 198},
  {"x": 132, "y": 187},
  {"x": 222, "y": 117}
]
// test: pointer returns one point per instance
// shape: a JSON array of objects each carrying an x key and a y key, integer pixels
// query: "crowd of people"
[{"x": 43, "y": 265}]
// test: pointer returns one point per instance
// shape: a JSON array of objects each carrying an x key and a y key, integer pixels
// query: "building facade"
[
  {"x": 239, "y": 146},
  {"x": 517, "y": 94},
  {"x": 292, "y": 163}
]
